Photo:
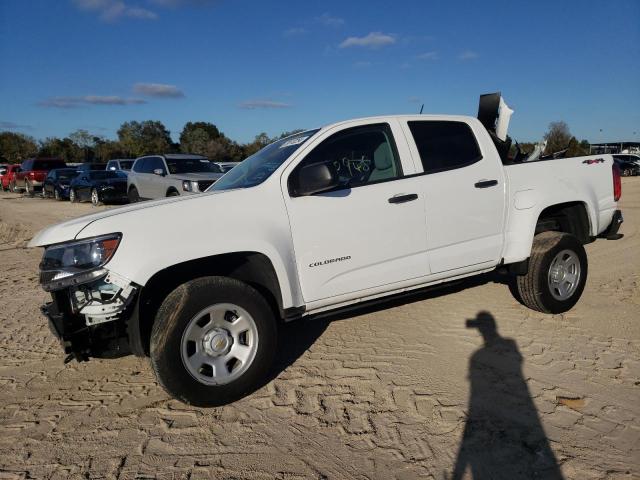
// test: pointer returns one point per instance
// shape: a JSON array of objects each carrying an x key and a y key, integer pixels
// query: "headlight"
[
  {"x": 190, "y": 186},
  {"x": 78, "y": 262}
]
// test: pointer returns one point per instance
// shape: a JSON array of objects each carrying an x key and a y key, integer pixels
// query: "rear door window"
[{"x": 444, "y": 145}]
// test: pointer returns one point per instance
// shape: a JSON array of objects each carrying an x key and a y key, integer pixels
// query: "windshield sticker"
[{"x": 293, "y": 141}]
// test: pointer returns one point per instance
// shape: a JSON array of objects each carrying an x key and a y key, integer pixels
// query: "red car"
[
  {"x": 32, "y": 173},
  {"x": 8, "y": 178}
]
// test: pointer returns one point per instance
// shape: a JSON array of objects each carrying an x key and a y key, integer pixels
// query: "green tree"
[
  {"x": 15, "y": 147},
  {"x": 142, "y": 138},
  {"x": 558, "y": 137},
  {"x": 64, "y": 148}
]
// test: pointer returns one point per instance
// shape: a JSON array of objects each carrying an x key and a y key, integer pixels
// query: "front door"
[{"x": 368, "y": 232}]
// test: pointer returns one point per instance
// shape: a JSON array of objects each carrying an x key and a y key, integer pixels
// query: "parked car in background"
[
  {"x": 226, "y": 166},
  {"x": 7, "y": 181},
  {"x": 3, "y": 169},
  {"x": 170, "y": 175},
  {"x": 627, "y": 157},
  {"x": 123, "y": 164},
  {"x": 628, "y": 168},
  {"x": 32, "y": 173},
  {"x": 99, "y": 186},
  {"x": 87, "y": 166},
  {"x": 56, "y": 184}
]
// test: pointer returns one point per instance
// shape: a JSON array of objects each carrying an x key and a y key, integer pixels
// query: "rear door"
[
  {"x": 464, "y": 189},
  {"x": 371, "y": 231}
]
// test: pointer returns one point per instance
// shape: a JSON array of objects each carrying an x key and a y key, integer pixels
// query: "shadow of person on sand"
[{"x": 503, "y": 436}]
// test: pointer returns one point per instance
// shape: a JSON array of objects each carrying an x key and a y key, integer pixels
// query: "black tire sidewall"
[
  {"x": 133, "y": 195},
  {"x": 173, "y": 317},
  {"x": 551, "y": 304},
  {"x": 97, "y": 195}
]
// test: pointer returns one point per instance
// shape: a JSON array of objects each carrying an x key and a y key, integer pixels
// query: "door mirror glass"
[
  {"x": 158, "y": 171},
  {"x": 314, "y": 178}
]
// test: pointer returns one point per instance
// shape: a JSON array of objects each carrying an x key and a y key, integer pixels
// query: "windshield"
[
  {"x": 66, "y": 174},
  {"x": 105, "y": 175},
  {"x": 259, "y": 166},
  {"x": 189, "y": 165}
]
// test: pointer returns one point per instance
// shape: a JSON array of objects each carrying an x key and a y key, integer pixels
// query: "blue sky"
[{"x": 252, "y": 66}]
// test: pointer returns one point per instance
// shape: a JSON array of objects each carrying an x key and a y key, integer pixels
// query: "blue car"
[{"x": 56, "y": 184}]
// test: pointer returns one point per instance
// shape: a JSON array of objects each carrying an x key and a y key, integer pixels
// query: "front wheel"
[
  {"x": 557, "y": 273},
  {"x": 213, "y": 341},
  {"x": 56, "y": 194},
  {"x": 133, "y": 195},
  {"x": 28, "y": 189},
  {"x": 95, "y": 197},
  {"x": 73, "y": 196}
]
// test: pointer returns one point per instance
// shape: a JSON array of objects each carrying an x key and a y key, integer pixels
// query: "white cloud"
[
  {"x": 468, "y": 55},
  {"x": 73, "y": 102},
  {"x": 330, "y": 21},
  {"x": 428, "y": 56},
  {"x": 373, "y": 40},
  {"x": 14, "y": 126},
  {"x": 292, "y": 32},
  {"x": 159, "y": 90},
  {"x": 263, "y": 104},
  {"x": 111, "y": 10},
  {"x": 184, "y": 3}
]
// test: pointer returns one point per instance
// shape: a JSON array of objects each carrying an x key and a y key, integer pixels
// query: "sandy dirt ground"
[{"x": 408, "y": 390}]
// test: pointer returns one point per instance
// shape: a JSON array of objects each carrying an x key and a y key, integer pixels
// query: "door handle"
[
  {"x": 403, "y": 198},
  {"x": 486, "y": 183}
]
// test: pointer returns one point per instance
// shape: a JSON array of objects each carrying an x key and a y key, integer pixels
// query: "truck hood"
[
  {"x": 198, "y": 176},
  {"x": 69, "y": 230}
]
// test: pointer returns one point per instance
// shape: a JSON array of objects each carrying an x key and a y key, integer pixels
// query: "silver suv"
[{"x": 170, "y": 175}]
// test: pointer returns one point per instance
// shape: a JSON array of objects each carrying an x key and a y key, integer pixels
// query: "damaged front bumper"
[{"x": 90, "y": 319}]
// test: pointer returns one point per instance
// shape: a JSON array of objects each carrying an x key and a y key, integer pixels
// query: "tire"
[
  {"x": 172, "y": 352},
  {"x": 56, "y": 194},
  {"x": 133, "y": 195},
  {"x": 73, "y": 196},
  {"x": 173, "y": 193},
  {"x": 12, "y": 187},
  {"x": 95, "y": 197},
  {"x": 28, "y": 189},
  {"x": 556, "y": 258}
]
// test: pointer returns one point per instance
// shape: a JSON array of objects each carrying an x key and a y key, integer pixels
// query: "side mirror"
[
  {"x": 112, "y": 169},
  {"x": 159, "y": 171},
  {"x": 315, "y": 178}
]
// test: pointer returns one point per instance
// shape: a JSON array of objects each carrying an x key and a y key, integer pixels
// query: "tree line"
[
  {"x": 134, "y": 139},
  {"x": 202, "y": 138}
]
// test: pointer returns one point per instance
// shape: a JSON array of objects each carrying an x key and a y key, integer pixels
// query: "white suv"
[{"x": 170, "y": 175}]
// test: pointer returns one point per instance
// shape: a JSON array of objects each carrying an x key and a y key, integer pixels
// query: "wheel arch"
[
  {"x": 575, "y": 217},
  {"x": 253, "y": 268}
]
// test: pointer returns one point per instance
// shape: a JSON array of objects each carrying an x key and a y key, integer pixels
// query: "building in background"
[{"x": 614, "y": 147}]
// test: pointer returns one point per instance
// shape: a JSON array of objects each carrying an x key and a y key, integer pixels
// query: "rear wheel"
[
  {"x": 56, "y": 194},
  {"x": 213, "y": 341},
  {"x": 95, "y": 197},
  {"x": 173, "y": 193},
  {"x": 28, "y": 188},
  {"x": 73, "y": 196},
  {"x": 557, "y": 273},
  {"x": 133, "y": 195}
]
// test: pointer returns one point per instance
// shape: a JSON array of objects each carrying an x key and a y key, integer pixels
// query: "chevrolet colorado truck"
[{"x": 316, "y": 222}]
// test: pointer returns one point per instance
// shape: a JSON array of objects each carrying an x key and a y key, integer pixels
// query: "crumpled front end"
[
  {"x": 90, "y": 319},
  {"x": 90, "y": 303}
]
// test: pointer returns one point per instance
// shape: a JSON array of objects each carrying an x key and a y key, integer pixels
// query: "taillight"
[
  {"x": 32, "y": 174},
  {"x": 617, "y": 183}
]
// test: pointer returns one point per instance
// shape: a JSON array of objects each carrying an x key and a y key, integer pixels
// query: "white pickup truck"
[{"x": 324, "y": 219}]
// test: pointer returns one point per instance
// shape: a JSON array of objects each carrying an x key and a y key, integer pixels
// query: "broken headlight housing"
[{"x": 76, "y": 262}]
